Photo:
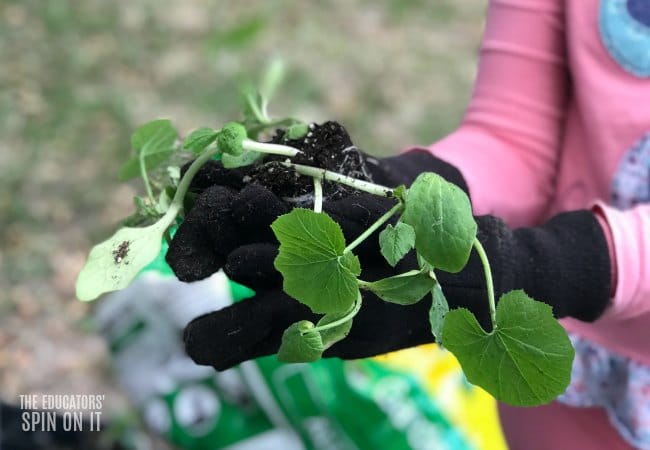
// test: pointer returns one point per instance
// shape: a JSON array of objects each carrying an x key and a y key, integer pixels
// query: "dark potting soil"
[{"x": 326, "y": 146}]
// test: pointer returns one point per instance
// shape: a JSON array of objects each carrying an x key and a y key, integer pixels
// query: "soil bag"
[{"x": 412, "y": 399}]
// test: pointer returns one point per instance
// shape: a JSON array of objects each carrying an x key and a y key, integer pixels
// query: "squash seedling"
[{"x": 524, "y": 360}]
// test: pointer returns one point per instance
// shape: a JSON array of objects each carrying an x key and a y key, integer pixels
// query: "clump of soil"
[{"x": 326, "y": 146}]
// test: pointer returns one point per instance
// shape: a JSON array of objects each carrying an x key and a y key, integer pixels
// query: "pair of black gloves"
[{"x": 564, "y": 263}]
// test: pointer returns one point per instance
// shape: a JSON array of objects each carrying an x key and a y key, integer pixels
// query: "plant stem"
[
  {"x": 273, "y": 149},
  {"x": 145, "y": 178},
  {"x": 183, "y": 186},
  {"x": 488, "y": 281},
  {"x": 264, "y": 110},
  {"x": 323, "y": 174},
  {"x": 259, "y": 115},
  {"x": 318, "y": 195},
  {"x": 383, "y": 219},
  {"x": 349, "y": 316},
  {"x": 367, "y": 284}
]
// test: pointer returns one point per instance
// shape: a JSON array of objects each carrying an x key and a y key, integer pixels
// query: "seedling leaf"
[
  {"x": 297, "y": 131},
  {"x": 400, "y": 192},
  {"x": 200, "y": 139},
  {"x": 437, "y": 313},
  {"x": 316, "y": 272},
  {"x": 272, "y": 79},
  {"x": 395, "y": 242},
  {"x": 253, "y": 105},
  {"x": 441, "y": 214},
  {"x": 231, "y": 138},
  {"x": 153, "y": 144},
  {"x": 299, "y": 344},
  {"x": 525, "y": 361},
  {"x": 404, "y": 289},
  {"x": 112, "y": 264}
]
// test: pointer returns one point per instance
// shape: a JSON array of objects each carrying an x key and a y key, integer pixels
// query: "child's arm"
[{"x": 507, "y": 144}]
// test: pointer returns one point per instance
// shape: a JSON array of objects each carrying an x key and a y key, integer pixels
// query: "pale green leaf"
[
  {"x": 153, "y": 144},
  {"x": 252, "y": 105},
  {"x": 404, "y": 289},
  {"x": 441, "y": 214},
  {"x": 299, "y": 344},
  {"x": 525, "y": 361},
  {"x": 316, "y": 272},
  {"x": 438, "y": 311},
  {"x": 272, "y": 79},
  {"x": 297, "y": 131},
  {"x": 395, "y": 242},
  {"x": 200, "y": 139},
  {"x": 112, "y": 264}
]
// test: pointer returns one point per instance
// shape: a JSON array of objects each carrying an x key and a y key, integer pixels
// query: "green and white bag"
[{"x": 414, "y": 399}]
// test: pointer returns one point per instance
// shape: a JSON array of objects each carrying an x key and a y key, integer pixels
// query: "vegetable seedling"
[{"x": 524, "y": 360}]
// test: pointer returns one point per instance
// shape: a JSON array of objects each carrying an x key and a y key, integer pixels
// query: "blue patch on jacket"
[
  {"x": 625, "y": 31},
  {"x": 631, "y": 183}
]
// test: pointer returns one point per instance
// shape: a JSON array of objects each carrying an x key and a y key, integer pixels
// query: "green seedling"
[{"x": 524, "y": 360}]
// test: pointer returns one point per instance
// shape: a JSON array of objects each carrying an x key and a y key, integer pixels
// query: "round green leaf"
[
  {"x": 441, "y": 215},
  {"x": 114, "y": 263},
  {"x": 299, "y": 344},
  {"x": 525, "y": 361},
  {"x": 316, "y": 272}
]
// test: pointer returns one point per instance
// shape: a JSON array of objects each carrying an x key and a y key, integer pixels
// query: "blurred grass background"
[{"x": 78, "y": 76}]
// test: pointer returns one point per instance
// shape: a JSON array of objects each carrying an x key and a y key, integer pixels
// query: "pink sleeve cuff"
[
  {"x": 629, "y": 244},
  {"x": 607, "y": 231}
]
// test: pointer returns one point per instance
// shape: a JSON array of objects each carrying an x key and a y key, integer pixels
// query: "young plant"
[
  {"x": 526, "y": 358},
  {"x": 114, "y": 263}
]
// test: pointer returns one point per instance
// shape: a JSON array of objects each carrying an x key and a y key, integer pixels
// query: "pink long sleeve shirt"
[{"x": 560, "y": 120}]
